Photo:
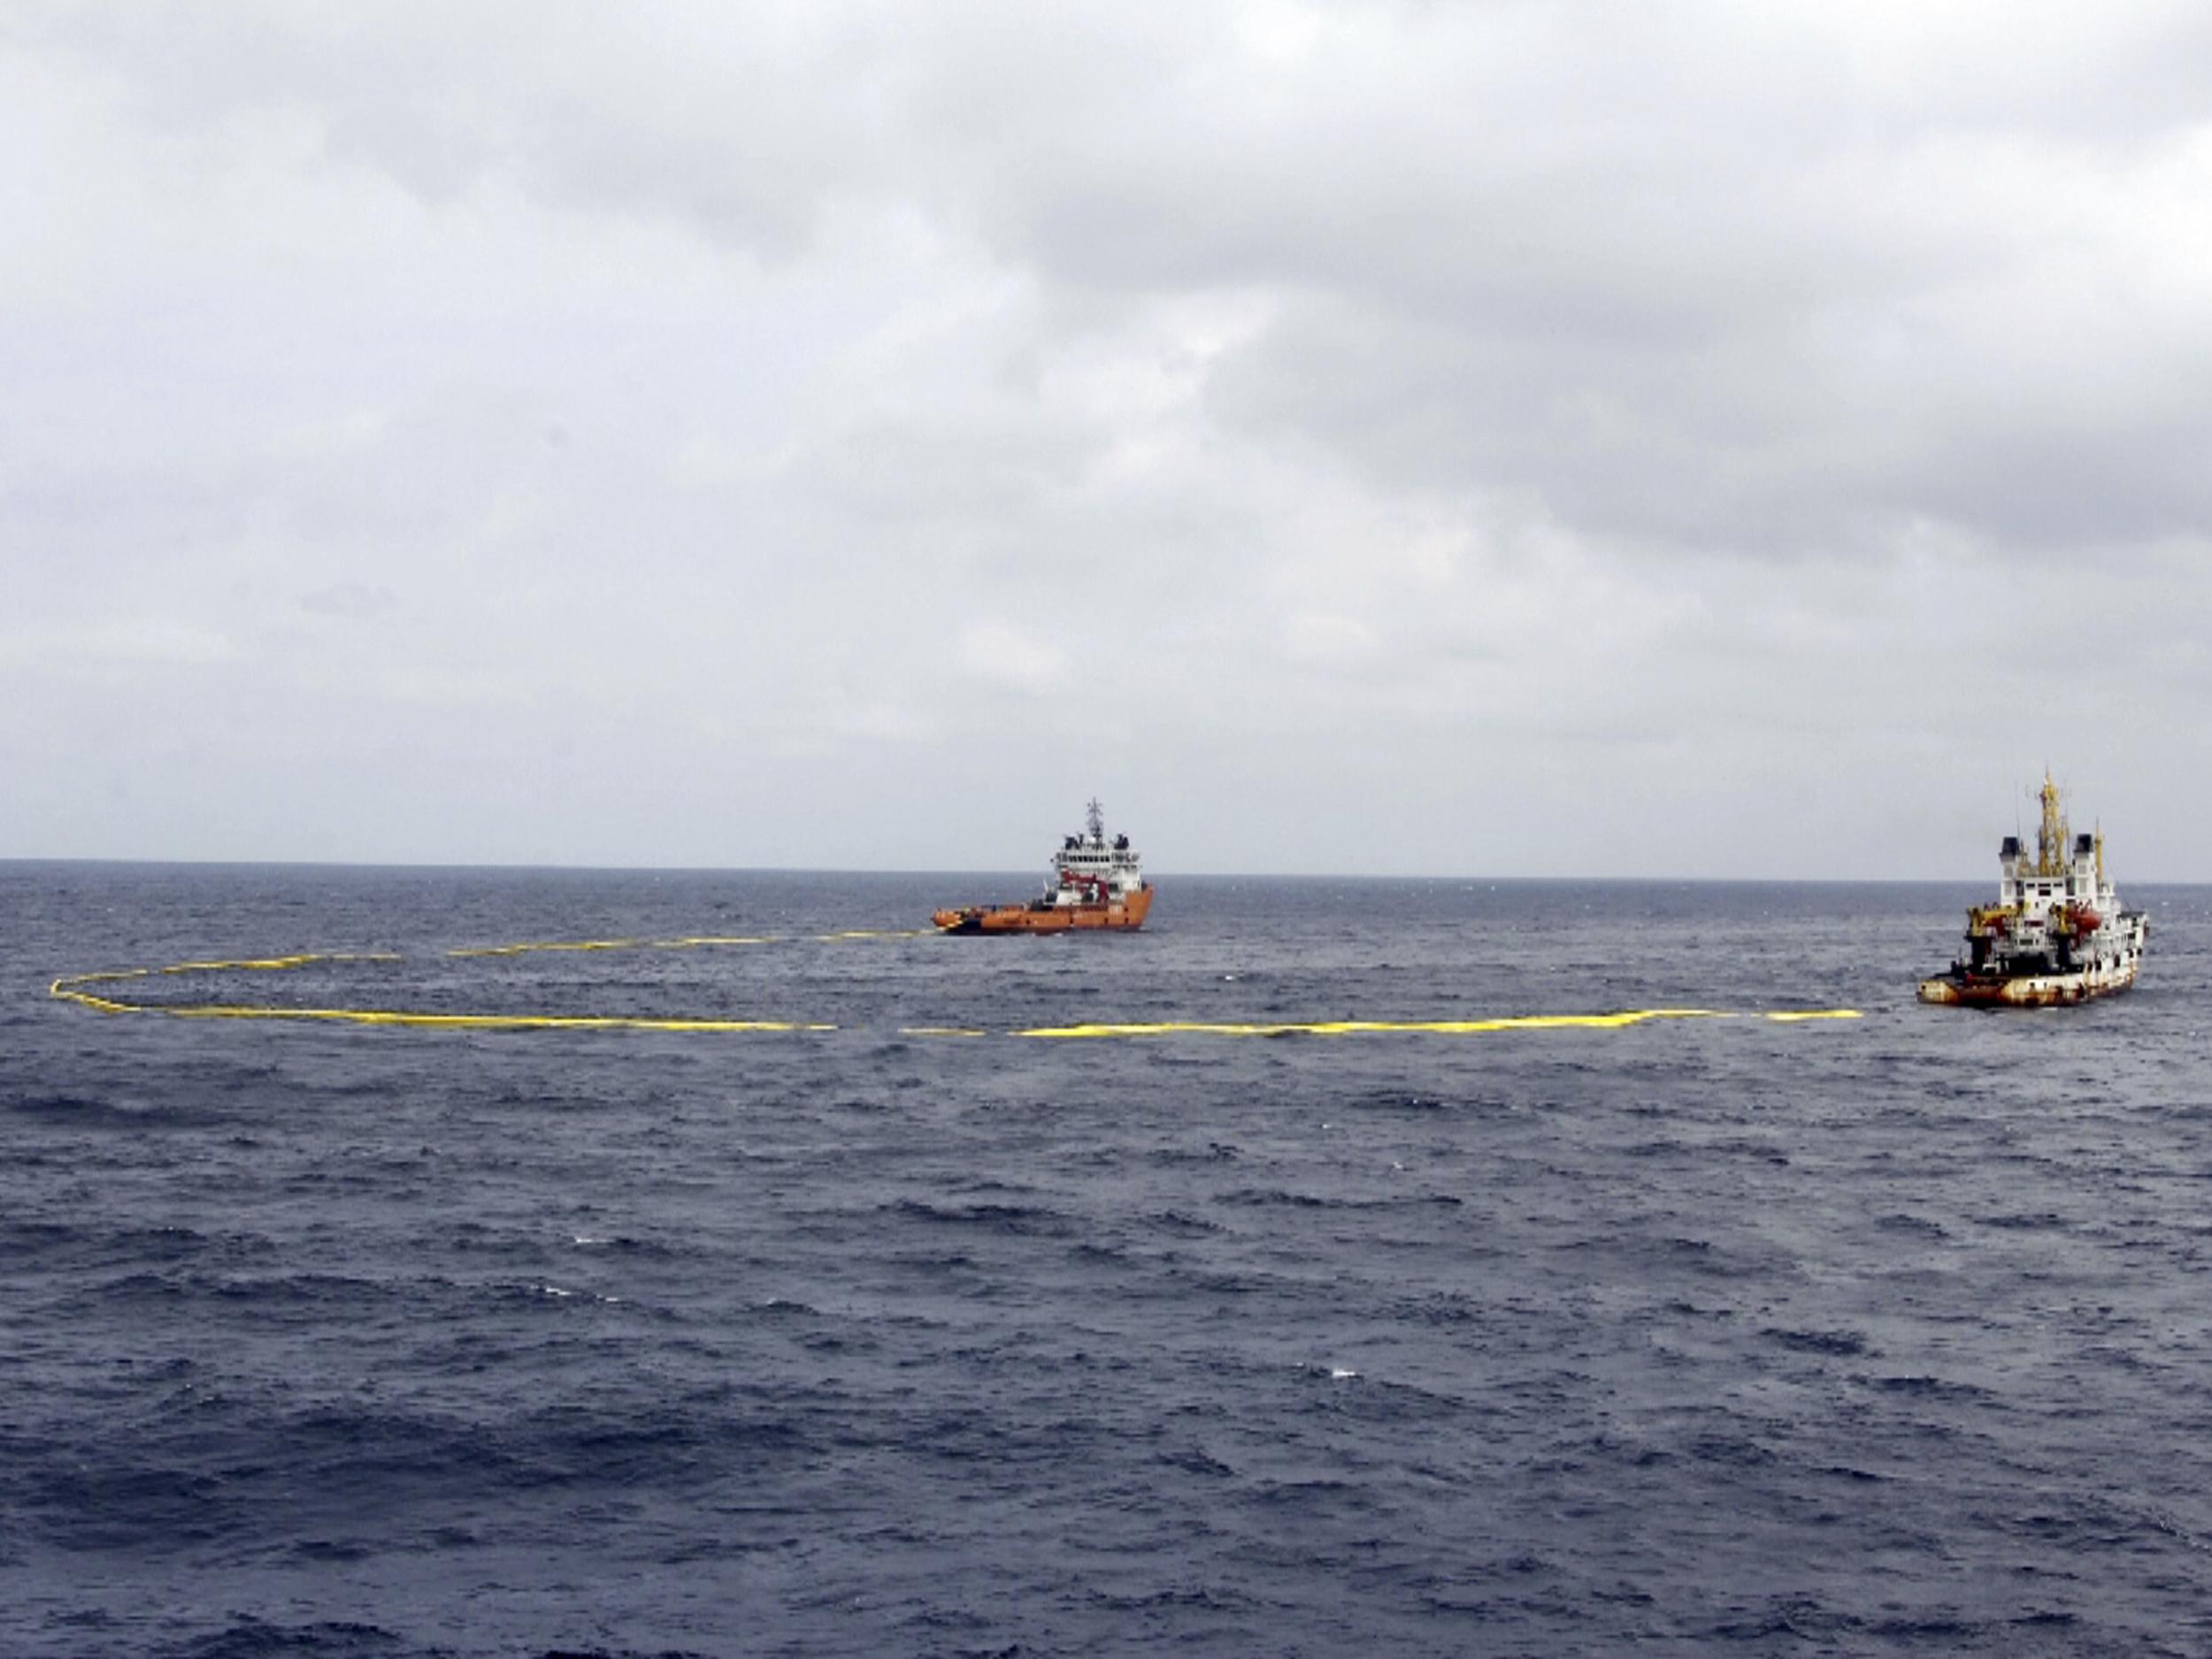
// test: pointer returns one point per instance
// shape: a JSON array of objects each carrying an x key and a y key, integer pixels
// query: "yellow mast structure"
[{"x": 2051, "y": 837}]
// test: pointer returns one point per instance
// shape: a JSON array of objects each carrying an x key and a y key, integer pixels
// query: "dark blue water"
[{"x": 1886, "y": 1336}]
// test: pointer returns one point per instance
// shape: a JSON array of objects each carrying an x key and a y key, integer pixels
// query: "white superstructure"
[{"x": 1089, "y": 869}]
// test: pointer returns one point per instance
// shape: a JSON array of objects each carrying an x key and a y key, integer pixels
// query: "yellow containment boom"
[{"x": 71, "y": 988}]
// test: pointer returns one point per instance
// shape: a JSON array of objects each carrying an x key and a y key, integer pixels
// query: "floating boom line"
[{"x": 71, "y": 989}]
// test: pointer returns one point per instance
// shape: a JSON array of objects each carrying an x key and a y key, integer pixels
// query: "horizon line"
[{"x": 820, "y": 869}]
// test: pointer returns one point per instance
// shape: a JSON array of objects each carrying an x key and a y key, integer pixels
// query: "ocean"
[{"x": 1733, "y": 1335}]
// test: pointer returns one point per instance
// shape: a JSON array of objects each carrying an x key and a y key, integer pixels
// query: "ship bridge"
[
  {"x": 2066, "y": 868},
  {"x": 1090, "y": 856}
]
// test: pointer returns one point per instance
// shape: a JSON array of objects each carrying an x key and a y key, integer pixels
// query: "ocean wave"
[{"x": 1018, "y": 1220}]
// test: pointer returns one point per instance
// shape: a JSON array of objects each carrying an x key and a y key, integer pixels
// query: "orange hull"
[{"x": 1122, "y": 916}]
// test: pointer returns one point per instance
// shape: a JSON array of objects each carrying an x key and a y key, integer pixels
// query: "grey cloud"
[
  {"x": 665, "y": 111},
  {"x": 1684, "y": 277},
  {"x": 352, "y": 600},
  {"x": 1747, "y": 450}
]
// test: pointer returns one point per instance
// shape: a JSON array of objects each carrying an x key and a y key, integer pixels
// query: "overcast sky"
[{"x": 1513, "y": 439}]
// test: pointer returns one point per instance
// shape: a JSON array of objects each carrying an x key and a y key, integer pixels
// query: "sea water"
[{"x": 1715, "y": 1334}]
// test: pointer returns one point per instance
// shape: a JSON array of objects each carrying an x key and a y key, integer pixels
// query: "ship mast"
[
  {"x": 2050, "y": 836},
  {"x": 1098, "y": 822}
]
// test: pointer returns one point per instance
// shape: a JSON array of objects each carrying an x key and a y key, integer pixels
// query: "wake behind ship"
[
  {"x": 2056, "y": 933},
  {"x": 1093, "y": 884}
]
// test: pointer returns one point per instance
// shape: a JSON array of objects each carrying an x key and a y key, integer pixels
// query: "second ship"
[
  {"x": 2057, "y": 935},
  {"x": 1094, "y": 884}
]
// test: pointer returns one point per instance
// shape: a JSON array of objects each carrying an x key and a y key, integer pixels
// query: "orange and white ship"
[
  {"x": 2056, "y": 933},
  {"x": 1094, "y": 884}
]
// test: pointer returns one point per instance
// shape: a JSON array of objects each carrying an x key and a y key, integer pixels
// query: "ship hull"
[
  {"x": 2027, "y": 990},
  {"x": 1121, "y": 916}
]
